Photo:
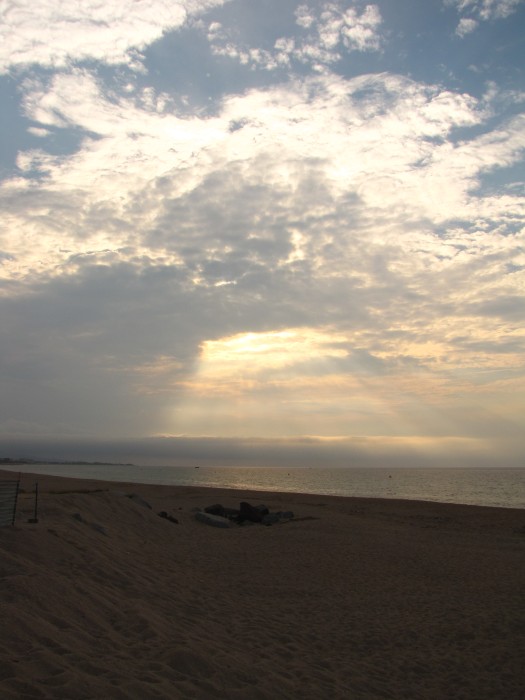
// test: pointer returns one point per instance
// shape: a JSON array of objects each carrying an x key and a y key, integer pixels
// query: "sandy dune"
[{"x": 355, "y": 598}]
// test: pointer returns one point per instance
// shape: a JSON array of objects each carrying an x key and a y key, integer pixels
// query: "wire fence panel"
[{"x": 8, "y": 498}]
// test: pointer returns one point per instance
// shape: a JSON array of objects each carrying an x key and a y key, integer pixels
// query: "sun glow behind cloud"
[
  {"x": 277, "y": 382},
  {"x": 254, "y": 352}
]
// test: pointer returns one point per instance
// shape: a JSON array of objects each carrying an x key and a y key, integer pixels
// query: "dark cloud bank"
[{"x": 285, "y": 452}]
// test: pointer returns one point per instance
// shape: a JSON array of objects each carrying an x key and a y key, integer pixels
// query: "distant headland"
[{"x": 10, "y": 461}]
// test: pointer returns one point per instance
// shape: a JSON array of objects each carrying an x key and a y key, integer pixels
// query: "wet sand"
[{"x": 353, "y": 598}]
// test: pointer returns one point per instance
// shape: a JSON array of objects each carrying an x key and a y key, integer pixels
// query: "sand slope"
[{"x": 356, "y": 598}]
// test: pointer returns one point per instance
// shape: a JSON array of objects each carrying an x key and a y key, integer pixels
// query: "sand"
[{"x": 354, "y": 598}]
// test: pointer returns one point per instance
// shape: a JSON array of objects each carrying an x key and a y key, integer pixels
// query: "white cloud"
[
  {"x": 332, "y": 29},
  {"x": 382, "y": 139},
  {"x": 360, "y": 32},
  {"x": 466, "y": 26},
  {"x": 54, "y": 33},
  {"x": 496, "y": 9},
  {"x": 304, "y": 16},
  {"x": 481, "y": 10}
]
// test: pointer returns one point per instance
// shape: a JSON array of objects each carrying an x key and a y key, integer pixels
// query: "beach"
[{"x": 351, "y": 598}]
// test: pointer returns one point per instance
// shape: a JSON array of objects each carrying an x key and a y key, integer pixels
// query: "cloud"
[
  {"x": 57, "y": 33},
  {"x": 330, "y": 31},
  {"x": 481, "y": 11},
  {"x": 312, "y": 170},
  {"x": 346, "y": 223},
  {"x": 486, "y": 9},
  {"x": 292, "y": 452},
  {"x": 465, "y": 26}
]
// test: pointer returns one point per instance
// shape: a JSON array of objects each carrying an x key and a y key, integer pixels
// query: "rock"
[
  {"x": 232, "y": 513},
  {"x": 213, "y": 520},
  {"x": 270, "y": 518},
  {"x": 220, "y": 516},
  {"x": 216, "y": 509},
  {"x": 278, "y": 517},
  {"x": 285, "y": 515},
  {"x": 252, "y": 513}
]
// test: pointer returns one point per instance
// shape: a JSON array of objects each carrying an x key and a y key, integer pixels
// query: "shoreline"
[
  {"x": 354, "y": 597},
  {"x": 39, "y": 476}
]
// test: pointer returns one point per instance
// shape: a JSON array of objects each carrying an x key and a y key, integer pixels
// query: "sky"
[{"x": 263, "y": 232}]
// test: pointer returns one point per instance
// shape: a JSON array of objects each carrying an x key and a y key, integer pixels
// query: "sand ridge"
[{"x": 356, "y": 598}]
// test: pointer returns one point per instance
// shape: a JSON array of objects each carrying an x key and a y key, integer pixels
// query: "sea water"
[{"x": 485, "y": 486}]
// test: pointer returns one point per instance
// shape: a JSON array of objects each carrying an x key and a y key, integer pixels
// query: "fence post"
[
  {"x": 34, "y": 519},
  {"x": 8, "y": 498},
  {"x": 16, "y": 497}
]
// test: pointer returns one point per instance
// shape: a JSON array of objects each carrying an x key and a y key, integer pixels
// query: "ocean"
[{"x": 485, "y": 486}]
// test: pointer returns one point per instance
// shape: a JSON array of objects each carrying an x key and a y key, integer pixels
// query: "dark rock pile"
[{"x": 219, "y": 516}]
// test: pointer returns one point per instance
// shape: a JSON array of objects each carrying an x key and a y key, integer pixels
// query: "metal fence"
[{"x": 8, "y": 498}]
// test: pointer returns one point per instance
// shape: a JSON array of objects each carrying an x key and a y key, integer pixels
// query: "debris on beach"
[
  {"x": 219, "y": 516},
  {"x": 213, "y": 520}
]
